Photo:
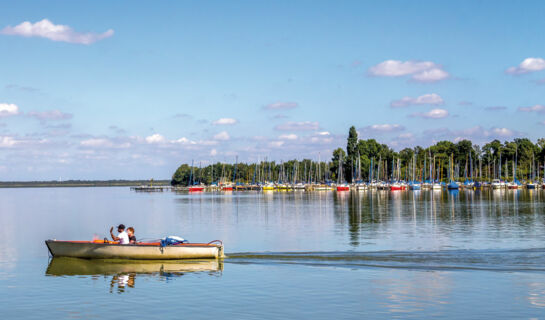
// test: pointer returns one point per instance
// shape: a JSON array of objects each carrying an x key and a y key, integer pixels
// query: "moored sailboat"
[{"x": 341, "y": 185}]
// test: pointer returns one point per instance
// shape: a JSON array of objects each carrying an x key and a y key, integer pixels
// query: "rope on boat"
[{"x": 216, "y": 241}]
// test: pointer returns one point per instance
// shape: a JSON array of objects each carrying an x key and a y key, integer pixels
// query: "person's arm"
[{"x": 114, "y": 238}]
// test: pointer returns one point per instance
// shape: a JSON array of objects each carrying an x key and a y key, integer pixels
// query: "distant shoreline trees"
[{"x": 520, "y": 156}]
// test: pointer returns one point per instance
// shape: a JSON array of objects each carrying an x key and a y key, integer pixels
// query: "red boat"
[
  {"x": 512, "y": 186},
  {"x": 343, "y": 187},
  {"x": 227, "y": 187},
  {"x": 397, "y": 186},
  {"x": 196, "y": 189}
]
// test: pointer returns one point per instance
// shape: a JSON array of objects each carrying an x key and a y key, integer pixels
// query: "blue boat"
[
  {"x": 453, "y": 186},
  {"x": 414, "y": 186}
]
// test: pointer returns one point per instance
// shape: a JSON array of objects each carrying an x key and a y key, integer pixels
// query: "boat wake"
[{"x": 516, "y": 260}]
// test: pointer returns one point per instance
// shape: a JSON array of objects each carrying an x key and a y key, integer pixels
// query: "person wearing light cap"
[{"x": 122, "y": 237}]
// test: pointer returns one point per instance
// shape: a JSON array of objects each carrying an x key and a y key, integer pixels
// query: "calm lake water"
[{"x": 321, "y": 255}]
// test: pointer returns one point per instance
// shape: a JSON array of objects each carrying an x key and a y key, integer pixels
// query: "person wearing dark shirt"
[{"x": 130, "y": 233}]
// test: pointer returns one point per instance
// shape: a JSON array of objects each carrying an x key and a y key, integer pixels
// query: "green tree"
[
  {"x": 352, "y": 152},
  {"x": 181, "y": 175},
  {"x": 338, "y": 154}
]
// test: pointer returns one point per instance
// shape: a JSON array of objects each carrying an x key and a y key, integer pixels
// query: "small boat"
[
  {"x": 512, "y": 185},
  {"x": 227, "y": 187},
  {"x": 341, "y": 183},
  {"x": 298, "y": 187},
  {"x": 322, "y": 187},
  {"x": 436, "y": 186},
  {"x": 383, "y": 186},
  {"x": 197, "y": 188},
  {"x": 268, "y": 187},
  {"x": 496, "y": 184},
  {"x": 396, "y": 186},
  {"x": 453, "y": 186},
  {"x": 103, "y": 249},
  {"x": 530, "y": 185},
  {"x": 415, "y": 185},
  {"x": 361, "y": 186}
]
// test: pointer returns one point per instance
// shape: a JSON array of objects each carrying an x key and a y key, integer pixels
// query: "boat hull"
[
  {"x": 72, "y": 266},
  {"x": 95, "y": 250}
]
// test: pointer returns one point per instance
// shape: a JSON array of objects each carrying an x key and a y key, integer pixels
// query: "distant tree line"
[{"x": 369, "y": 159}]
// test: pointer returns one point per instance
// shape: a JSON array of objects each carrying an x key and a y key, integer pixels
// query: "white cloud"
[
  {"x": 49, "y": 115},
  {"x": 431, "y": 75},
  {"x": 477, "y": 134},
  {"x": 97, "y": 142},
  {"x": 8, "y": 109},
  {"x": 298, "y": 126},
  {"x": 46, "y": 29},
  {"x": 104, "y": 143},
  {"x": 406, "y": 135},
  {"x": 527, "y": 65},
  {"x": 426, "y": 99},
  {"x": 432, "y": 114},
  {"x": 281, "y": 106},
  {"x": 324, "y": 133},
  {"x": 223, "y": 136},
  {"x": 276, "y": 144},
  {"x": 502, "y": 132},
  {"x": 423, "y": 71},
  {"x": 382, "y": 128},
  {"x": 213, "y": 152},
  {"x": 155, "y": 138},
  {"x": 536, "y": 108},
  {"x": 288, "y": 137},
  {"x": 6, "y": 142},
  {"x": 225, "y": 121}
]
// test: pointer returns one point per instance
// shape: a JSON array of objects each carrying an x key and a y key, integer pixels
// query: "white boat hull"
[{"x": 94, "y": 250}]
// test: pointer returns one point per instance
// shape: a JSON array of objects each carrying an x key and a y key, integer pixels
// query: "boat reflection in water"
[{"x": 125, "y": 272}]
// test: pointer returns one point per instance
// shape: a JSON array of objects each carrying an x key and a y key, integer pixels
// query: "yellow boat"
[{"x": 268, "y": 187}]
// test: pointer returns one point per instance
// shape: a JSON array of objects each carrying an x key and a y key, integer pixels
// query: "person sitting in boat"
[
  {"x": 122, "y": 237},
  {"x": 130, "y": 233}
]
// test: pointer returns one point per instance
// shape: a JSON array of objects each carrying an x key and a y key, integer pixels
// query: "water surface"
[{"x": 324, "y": 255}]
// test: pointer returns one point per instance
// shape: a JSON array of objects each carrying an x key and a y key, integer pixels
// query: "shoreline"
[{"x": 80, "y": 183}]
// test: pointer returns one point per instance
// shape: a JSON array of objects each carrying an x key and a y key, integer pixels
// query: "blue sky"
[{"x": 100, "y": 90}]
